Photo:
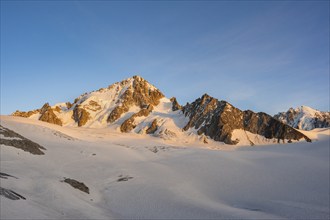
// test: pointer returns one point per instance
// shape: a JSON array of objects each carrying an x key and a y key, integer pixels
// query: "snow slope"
[{"x": 165, "y": 180}]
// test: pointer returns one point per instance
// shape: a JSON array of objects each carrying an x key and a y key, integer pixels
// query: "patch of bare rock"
[{"x": 13, "y": 139}]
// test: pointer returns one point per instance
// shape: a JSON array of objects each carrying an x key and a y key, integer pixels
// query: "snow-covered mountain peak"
[
  {"x": 307, "y": 110},
  {"x": 103, "y": 106},
  {"x": 118, "y": 89},
  {"x": 305, "y": 118},
  {"x": 137, "y": 80}
]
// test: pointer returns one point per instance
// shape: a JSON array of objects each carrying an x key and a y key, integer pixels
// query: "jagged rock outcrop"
[
  {"x": 139, "y": 93},
  {"x": 47, "y": 115},
  {"x": 25, "y": 114},
  {"x": 304, "y": 118},
  {"x": 68, "y": 105},
  {"x": 93, "y": 106},
  {"x": 153, "y": 127},
  {"x": 117, "y": 112},
  {"x": 218, "y": 119},
  {"x": 197, "y": 111},
  {"x": 80, "y": 115},
  {"x": 129, "y": 124},
  {"x": 175, "y": 104}
]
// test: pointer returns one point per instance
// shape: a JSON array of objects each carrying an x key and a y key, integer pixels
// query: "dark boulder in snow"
[{"x": 77, "y": 185}]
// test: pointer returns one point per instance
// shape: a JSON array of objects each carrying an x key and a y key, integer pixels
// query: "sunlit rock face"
[{"x": 218, "y": 119}]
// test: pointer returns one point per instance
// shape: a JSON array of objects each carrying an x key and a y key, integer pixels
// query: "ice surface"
[{"x": 175, "y": 181}]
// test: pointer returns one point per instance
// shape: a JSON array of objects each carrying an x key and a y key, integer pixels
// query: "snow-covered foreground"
[{"x": 164, "y": 180}]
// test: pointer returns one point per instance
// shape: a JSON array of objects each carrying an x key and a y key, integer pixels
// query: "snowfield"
[{"x": 144, "y": 177}]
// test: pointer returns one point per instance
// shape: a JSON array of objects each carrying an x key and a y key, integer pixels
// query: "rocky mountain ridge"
[
  {"x": 304, "y": 118},
  {"x": 218, "y": 119},
  {"x": 134, "y": 105}
]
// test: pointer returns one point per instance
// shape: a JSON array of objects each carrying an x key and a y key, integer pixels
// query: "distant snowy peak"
[{"x": 304, "y": 118}]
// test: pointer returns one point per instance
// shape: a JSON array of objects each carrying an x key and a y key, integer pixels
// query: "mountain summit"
[
  {"x": 101, "y": 106},
  {"x": 135, "y": 105},
  {"x": 305, "y": 118}
]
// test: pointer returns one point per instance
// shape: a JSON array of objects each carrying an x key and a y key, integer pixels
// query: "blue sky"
[{"x": 259, "y": 55}]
